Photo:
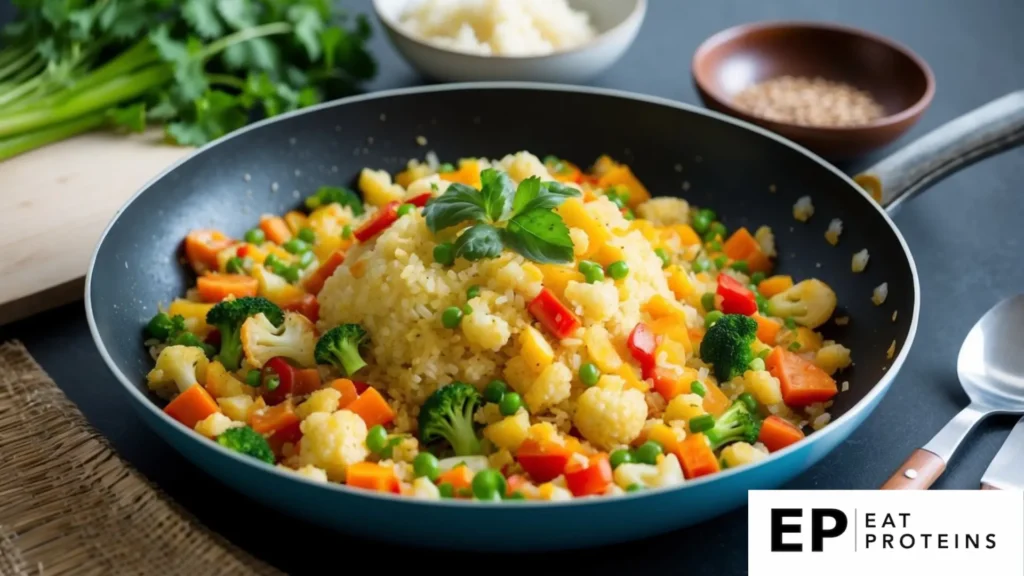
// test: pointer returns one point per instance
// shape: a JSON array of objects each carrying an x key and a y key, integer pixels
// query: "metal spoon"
[{"x": 991, "y": 370}]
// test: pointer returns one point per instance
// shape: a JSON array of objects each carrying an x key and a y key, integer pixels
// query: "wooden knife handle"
[{"x": 919, "y": 472}]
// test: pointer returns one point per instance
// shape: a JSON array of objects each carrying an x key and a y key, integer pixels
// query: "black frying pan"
[{"x": 749, "y": 176}]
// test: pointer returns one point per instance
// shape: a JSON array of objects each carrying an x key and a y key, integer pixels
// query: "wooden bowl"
[{"x": 900, "y": 81}]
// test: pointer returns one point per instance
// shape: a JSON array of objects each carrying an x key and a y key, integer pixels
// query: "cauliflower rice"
[{"x": 627, "y": 342}]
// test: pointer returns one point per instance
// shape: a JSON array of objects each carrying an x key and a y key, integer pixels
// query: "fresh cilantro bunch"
[
  {"x": 202, "y": 68},
  {"x": 518, "y": 218}
]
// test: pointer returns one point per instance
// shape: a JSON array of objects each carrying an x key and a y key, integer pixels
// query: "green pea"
[
  {"x": 663, "y": 255},
  {"x": 790, "y": 323},
  {"x": 252, "y": 378},
  {"x": 712, "y": 317},
  {"x": 702, "y": 220},
  {"x": 255, "y": 236},
  {"x": 589, "y": 374},
  {"x": 488, "y": 484},
  {"x": 715, "y": 231},
  {"x": 697, "y": 387},
  {"x": 707, "y": 301},
  {"x": 720, "y": 262},
  {"x": 700, "y": 265},
  {"x": 616, "y": 199},
  {"x": 620, "y": 457},
  {"x": 290, "y": 273},
  {"x": 446, "y": 490},
  {"x": 346, "y": 232},
  {"x": 451, "y": 317},
  {"x": 593, "y": 275},
  {"x": 295, "y": 246},
  {"x": 495, "y": 391},
  {"x": 467, "y": 309},
  {"x": 634, "y": 487},
  {"x": 585, "y": 265},
  {"x": 715, "y": 246},
  {"x": 306, "y": 260},
  {"x": 271, "y": 261},
  {"x": 702, "y": 423},
  {"x": 794, "y": 346},
  {"x": 510, "y": 403},
  {"x": 235, "y": 266},
  {"x": 307, "y": 235},
  {"x": 762, "y": 302},
  {"x": 648, "y": 452},
  {"x": 757, "y": 278},
  {"x": 426, "y": 464},
  {"x": 472, "y": 292},
  {"x": 618, "y": 270},
  {"x": 749, "y": 401},
  {"x": 405, "y": 209},
  {"x": 272, "y": 383},
  {"x": 756, "y": 364},
  {"x": 740, "y": 266},
  {"x": 628, "y": 214},
  {"x": 446, "y": 167},
  {"x": 444, "y": 254},
  {"x": 377, "y": 439}
]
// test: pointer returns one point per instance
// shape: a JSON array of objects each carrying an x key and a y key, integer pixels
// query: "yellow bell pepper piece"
[
  {"x": 659, "y": 307},
  {"x": 295, "y": 220},
  {"x": 378, "y": 189},
  {"x": 607, "y": 254},
  {"x": 774, "y": 285},
  {"x": 410, "y": 175},
  {"x": 194, "y": 314},
  {"x": 673, "y": 328},
  {"x": 535, "y": 349},
  {"x": 621, "y": 175},
  {"x": 575, "y": 215},
  {"x": 557, "y": 277},
  {"x": 632, "y": 379},
  {"x": 687, "y": 236},
  {"x": 468, "y": 173},
  {"x": 601, "y": 349}
]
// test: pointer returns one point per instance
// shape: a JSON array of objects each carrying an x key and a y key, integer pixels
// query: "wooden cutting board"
[{"x": 54, "y": 204}]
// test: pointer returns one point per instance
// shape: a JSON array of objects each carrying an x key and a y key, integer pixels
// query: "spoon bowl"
[
  {"x": 990, "y": 367},
  {"x": 991, "y": 363}
]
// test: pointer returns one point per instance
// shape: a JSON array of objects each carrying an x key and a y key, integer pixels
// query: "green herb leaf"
[
  {"x": 336, "y": 195},
  {"x": 202, "y": 16},
  {"x": 308, "y": 25},
  {"x": 237, "y": 13},
  {"x": 481, "y": 241},
  {"x": 458, "y": 204},
  {"x": 528, "y": 190},
  {"x": 539, "y": 235},
  {"x": 549, "y": 195},
  {"x": 498, "y": 191}
]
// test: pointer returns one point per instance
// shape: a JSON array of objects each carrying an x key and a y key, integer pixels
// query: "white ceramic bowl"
[{"x": 617, "y": 23}]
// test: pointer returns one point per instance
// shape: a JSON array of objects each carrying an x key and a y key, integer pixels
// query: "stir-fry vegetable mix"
[{"x": 242, "y": 360}]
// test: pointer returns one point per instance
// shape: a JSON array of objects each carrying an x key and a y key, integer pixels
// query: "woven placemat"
[{"x": 70, "y": 505}]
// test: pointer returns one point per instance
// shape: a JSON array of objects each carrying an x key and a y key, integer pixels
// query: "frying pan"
[{"x": 750, "y": 176}]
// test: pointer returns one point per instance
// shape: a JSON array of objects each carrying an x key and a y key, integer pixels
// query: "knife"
[{"x": 1006, "y": 472}]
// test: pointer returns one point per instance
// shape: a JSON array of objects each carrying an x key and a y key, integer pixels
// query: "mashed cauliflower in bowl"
[
  {"x": 530, "y": 40},
  {"x": 496, "y": 329}
]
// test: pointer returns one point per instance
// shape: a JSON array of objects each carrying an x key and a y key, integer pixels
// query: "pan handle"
[{"x": 993, "y": 128}]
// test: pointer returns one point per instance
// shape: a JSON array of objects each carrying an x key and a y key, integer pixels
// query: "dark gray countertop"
[{"x": 964, "y": 233}]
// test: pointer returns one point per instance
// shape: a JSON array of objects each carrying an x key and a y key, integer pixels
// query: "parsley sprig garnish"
[
  {"x": 505, "y": 216},
  {"x": 202, "y": 68}
]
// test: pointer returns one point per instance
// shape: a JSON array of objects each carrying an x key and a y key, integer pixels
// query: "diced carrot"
[
  {"x": 687, "y": 235},
  {"x": 371, "y": 476},
  {"x": 803, "y": 383},
  {"x": 696, "y": 457},
  {"x": 307, "y": 381},
  {"x": 460, "y": 477},
  {"x": 274, "y": 418},
  {"x": 202, "y": 246},
  {"x": 315, "y": 282},
  {"x": 743, "y": 246},
  {"x": 192, "y": 406},
  {"x": 348, "y": 392},
  {"x": 775, "y": 284},
  {"x": 659, "y": 306},
  {"x": 715, "y": 401},
  {"x": 777, "y": 433},
  {"x": 372, "y": 407},
  {"x": 621, "y": 175},
  {"x": 669, "y": 384},
  {"x": 216, "y": 287},
  {"x": 767, "y": 329},
  {"x": 296, "y": 221},
  {"x": 468, "y": 174},
  {"x": 275, "y": 229}
]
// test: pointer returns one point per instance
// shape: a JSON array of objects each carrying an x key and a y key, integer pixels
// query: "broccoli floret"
[
  {"x": 228, "y": 317},
  {"x": 726, "y": 345},
  {"x": 339, "y": 347},
  {"x": 448, "y": 414},
  {"x": 335, "y": 195},
  {"x": 736, "y": 424},
  {"x": 247, "y": 441},
  {"x": 161, "y": 327},
  {"x": 190, "y": 339}
]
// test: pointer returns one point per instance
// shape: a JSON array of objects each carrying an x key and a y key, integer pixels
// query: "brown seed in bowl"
[{"x": 809, "y": 102}]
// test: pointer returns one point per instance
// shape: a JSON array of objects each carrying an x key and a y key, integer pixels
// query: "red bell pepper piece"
[
  {"x": 736, "y": 298},
  {"x": 242, "y": 251},
  {"x": 421, "y": 200},
  {"x": 543, "y": 462},
  {"x": 285, "y": 373},
  {"x": 307, "y": 305},
  {"x": 590, "y": 480},
  {"x": 642, "y": 343},
  {"x": 360, "y": 386},
  {"x": 386, "y": 217},
  {"x": 554, "y": 315}
]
